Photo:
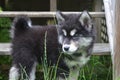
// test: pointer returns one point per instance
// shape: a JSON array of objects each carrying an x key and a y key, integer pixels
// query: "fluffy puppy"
[{"x": 73, "y": 35}]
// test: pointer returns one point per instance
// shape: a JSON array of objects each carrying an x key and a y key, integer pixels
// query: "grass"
[
  {"x": 98, "y": 68},
  {"x": 94, "y": 70},
  {"x": 49, "y": 72},
  {"x": 23, "y": 75},
  {"x": 4, "y": 29}
]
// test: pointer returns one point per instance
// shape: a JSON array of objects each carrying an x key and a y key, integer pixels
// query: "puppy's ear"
[
  {"x": 60, "y": 17},
  {"x": 85, "y": 20}
]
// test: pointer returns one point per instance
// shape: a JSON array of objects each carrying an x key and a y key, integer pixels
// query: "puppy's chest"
[{"x": 76, "y": 61}]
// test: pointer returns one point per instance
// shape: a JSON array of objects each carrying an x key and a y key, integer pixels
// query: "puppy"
[
  {"x": 76, "y": 34},
  {"x": 67, "y": 45}
]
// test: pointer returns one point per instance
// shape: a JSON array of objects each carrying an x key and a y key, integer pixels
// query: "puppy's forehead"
[
  {"x": 71, "y": 19},
  {"x": 72, "y": 16}
]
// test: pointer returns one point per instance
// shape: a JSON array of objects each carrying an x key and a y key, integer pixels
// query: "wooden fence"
[
  {"x": 112, "y": 15},
  {"x": 99, "y": 48}
]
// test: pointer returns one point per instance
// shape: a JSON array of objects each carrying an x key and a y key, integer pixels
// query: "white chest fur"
[{"x": 78, "y": 62}]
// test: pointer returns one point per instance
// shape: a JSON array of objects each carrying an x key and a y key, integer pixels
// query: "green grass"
[
  {"x": 49, "y": 71},
  {"x": 94, "y": 70},
  {"x": 5, "y": 24},
  {"x": 98, "y": 68}
]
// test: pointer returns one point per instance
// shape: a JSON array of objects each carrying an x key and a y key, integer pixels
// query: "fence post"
[
  {"x": 98, "y": 7},
  {"x": 53, "y": 5},
  {"x": 116, "y": 56}
]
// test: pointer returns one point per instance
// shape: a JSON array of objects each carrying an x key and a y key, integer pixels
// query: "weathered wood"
[
  {"x": 98, "y": 7},
  {"x": 53, "y": 5},
  {"x": 99, "y": 49},
  {"x": 116, "y": 55},
  {"x": 5, "y": 49},
  {"x": 44, "y": 14},
  {"x": 109, "y": 22},
  {"x": 110, "y": 27},
  {"x": 112, "y": 12}
]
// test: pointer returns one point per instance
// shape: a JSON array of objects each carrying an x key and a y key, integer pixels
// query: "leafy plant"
[
  {"x": 49, "y": 71},
  {"x": 5, "y": 24},
  {"x": 4, "y": 29},
  {"x": 97, "y": 69}
]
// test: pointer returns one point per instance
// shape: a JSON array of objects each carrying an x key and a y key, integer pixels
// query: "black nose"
[{"x": 66, "y": 48}]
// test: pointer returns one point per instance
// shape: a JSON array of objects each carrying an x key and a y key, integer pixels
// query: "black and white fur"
[
  {"x": 73, "y": 35},
  {"x": 76, "y": 34}
]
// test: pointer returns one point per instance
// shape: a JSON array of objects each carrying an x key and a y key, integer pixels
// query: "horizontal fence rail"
[
  {"x": 99, "y": 49},
  {"x": 44, "y": 14}
]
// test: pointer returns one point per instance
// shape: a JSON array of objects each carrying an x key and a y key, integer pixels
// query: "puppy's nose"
[{"x": 66, "y": 48}]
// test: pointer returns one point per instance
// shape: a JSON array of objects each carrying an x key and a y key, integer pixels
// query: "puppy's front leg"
[{"x": 74, "y": 73}]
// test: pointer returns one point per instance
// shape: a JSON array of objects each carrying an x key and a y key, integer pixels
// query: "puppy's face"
[{"x": 74, "y": 31}]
